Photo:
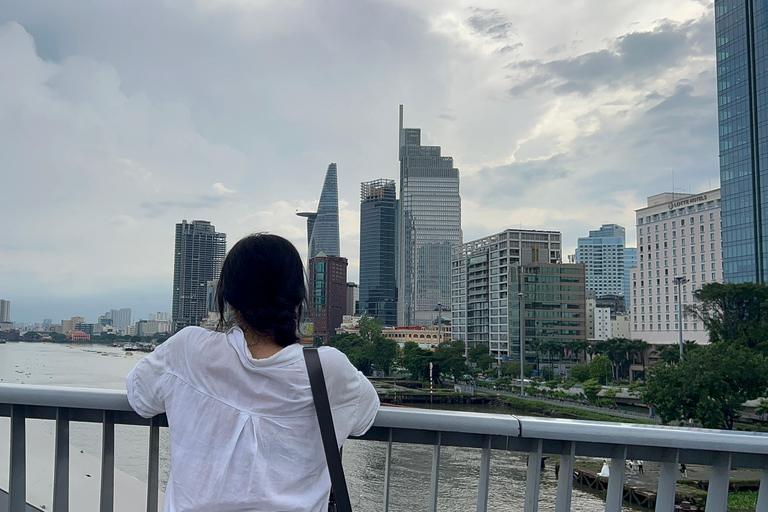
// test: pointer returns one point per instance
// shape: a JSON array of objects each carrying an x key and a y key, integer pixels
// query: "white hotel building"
[{"x": 677, "y": 235}]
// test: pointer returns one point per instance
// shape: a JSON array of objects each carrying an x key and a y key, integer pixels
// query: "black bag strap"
[{"x": 325, "y": 419}]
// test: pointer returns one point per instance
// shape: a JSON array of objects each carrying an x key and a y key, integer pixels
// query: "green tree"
[
  {"x": 762, "y": 408},
  {"x": 591, "y": 389},
  {"x": 416, "y": 360},
  {"x": 449, "y": 357},
  {"x": 380, "y": 350},
  {"x": 355, "y": 349},
  {"x": 734, "y": 313},
  {"x": 580, "y": 372},
  {"x": 600, "y": 369},
  {"x": 710, "y": 384}
]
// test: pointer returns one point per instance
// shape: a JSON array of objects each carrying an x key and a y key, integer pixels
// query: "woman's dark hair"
[{"x": 262, "y": 279}]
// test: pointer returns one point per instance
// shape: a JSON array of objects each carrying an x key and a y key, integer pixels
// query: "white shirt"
[{"x": 244, "y": 433}]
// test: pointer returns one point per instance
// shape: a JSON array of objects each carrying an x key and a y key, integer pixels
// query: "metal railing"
[{"x": 670, "y": 446}]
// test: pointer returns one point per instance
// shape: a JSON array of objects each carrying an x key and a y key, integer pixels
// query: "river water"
[{"x": 96, "y": 366}]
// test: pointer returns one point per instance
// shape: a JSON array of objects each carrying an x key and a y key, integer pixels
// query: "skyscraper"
[
  {"x": 741, "y": 35},
  {"x": 198, "y": 256},
  {"x": 328, "y": 289},
  {"x": 121, "y": 318},
  {"x": 378, "y": 294},
  {"x": 323, "y": 225},
  {"x": 5, "y": 310},
  {"x": 430, "y": 224},
  {"x": 603, "y": 255}
]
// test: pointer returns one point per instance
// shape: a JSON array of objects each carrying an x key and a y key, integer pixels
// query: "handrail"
[{"x": 722, "y": 450}]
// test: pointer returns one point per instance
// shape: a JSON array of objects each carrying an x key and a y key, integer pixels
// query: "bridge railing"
[{"x": 536, "y": 437}]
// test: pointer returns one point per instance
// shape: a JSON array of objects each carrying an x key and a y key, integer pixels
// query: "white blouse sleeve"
[
  {"x": 145, "y": 383},
  {"x": 367, "y": 406}
]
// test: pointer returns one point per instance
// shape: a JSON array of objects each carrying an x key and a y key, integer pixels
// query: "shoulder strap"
[{"x": 325, "y": 419}]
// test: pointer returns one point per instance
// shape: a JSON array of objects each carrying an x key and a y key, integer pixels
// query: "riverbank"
[{"x": 531, "y": 405}]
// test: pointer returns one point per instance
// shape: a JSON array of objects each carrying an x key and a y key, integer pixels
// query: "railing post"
[
  {"x": 153, "y": 473},
  {"x": 17, "y": 490},
  {"x": 719, "y": 478},
  {"x": 61, "y": 462},
  {"x": 665, "y": 494},
  {"x": 615, "y": 495},
  {"x": 387, "y": 470},
  {"x": 485, "y": 474},
  {"x": 435, "y": 474},
  {"x": 107, "y": 495},
  {"x": 565, "y": 478},
  {"x": 533, "y": 479},
  {"x": 762, "y": 495}
]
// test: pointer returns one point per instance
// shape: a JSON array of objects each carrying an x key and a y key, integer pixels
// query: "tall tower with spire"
[
  {"x": 323, "y": 225},
  {"x": 429, "y": 225}
]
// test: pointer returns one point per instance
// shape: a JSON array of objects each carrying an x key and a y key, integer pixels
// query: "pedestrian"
[
  {"x": 683, "y": 471},
  {"x": 640, "y": 467},
  {"x": 244, "y": 431}
]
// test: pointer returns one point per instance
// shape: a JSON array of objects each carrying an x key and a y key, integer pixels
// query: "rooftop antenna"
[{"x": 673, "y": 184}]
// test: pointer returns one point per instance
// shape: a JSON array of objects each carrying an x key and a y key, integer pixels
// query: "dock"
[{"x": 640, "y": 489}]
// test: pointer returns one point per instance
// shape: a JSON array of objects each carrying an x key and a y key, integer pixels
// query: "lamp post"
[
  {"x": 522, "y": 344},
  {"x": 679, "y": 281},
  {"x": 439, "y": 323}
]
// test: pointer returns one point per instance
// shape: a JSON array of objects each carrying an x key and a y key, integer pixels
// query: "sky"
[{"x": 120, "y": 119}]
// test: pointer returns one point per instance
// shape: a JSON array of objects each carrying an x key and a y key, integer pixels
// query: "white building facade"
[
  {"x": 677, "y": 235},
  {"x": 603, "y": 326}
]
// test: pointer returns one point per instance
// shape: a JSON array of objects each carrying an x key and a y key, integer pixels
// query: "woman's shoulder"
[
  {"x": 333, "y": 356},
  {"x": 191, "y": 340}
]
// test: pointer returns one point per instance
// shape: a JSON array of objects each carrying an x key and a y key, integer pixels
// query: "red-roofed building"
[{"x": 78, "y": 336}]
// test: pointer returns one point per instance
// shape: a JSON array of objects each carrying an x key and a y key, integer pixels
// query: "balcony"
[{"x": 486, "y": 433}]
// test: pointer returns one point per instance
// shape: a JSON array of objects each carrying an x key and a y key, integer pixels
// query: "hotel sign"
[{"x": 685, "y": 202}]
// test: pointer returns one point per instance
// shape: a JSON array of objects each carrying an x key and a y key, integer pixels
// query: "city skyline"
[{"x": 593, "y": 113}]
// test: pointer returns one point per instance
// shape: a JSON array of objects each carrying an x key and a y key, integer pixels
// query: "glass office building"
[
  {"x": 378, "y": 294},
  {"x": 741, "y": 32},
  {"x": 430, "y": 224},
  {"x": 323, "y": 225}
]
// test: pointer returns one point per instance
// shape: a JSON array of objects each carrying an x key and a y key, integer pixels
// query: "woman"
[{"x": 244, "y": 433}]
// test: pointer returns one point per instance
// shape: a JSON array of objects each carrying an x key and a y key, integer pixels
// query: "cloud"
[
  {"x": 221, "y": 189},
  {"x": 491, "y": 23},
  {"x": 627, "y": 59},
  {"x": 115, "y": 138}
]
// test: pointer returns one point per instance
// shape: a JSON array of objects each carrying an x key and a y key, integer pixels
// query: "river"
[{"x": 97, "y": 366}]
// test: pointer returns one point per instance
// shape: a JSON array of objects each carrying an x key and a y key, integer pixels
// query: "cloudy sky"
[{"x": 119, "y": 119}]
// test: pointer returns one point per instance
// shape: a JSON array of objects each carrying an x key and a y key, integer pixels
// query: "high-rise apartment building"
[
  {"x": 5, "y": 310},
  {"x": 740, "y": 35},
  {"x": 603, "y": 255},
  {"x": 328, "y": 289},
  {"x": 353, "y": 298},
  {"x": 678, "y": 235},
  {"x": 323, "y": 225},
  {"x": 430, "y": 224},
  {"x": 198, "y": 255},
  {"x": 121, "y": 318},
  {"x": 630, "y": 260},
  {"x": 378, "y": 291},
  {"x": 481, "y": 293}
]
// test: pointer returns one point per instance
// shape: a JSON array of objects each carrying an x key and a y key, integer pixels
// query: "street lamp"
[
  {"x": 522, "y": 344},
  {"x": 679, "y": 281},
  {"x": 439, "y": 323}
]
